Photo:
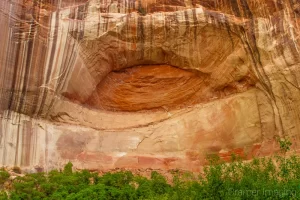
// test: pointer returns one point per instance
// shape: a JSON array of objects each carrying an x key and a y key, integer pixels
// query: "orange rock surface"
[
  {"x": 159, "y": 86},
  {"x": 155, "y": 84}
]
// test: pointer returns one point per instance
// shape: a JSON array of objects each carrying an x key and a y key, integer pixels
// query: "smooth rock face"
[{"x": 146, "y": 84}]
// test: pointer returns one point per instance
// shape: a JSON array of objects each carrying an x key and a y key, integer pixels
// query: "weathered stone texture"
[{"x": 146, "y": 84}]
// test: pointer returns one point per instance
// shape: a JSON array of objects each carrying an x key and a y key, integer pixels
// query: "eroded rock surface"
[{"x": 146, "y": 84}]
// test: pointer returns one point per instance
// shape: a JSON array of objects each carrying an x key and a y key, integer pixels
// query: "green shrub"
[
  {"x": 262, "y": 178},
  {"x": 4, "y": 175},
  {"x": 3, "y": 196},
  {"x": 68, "y": 168}
]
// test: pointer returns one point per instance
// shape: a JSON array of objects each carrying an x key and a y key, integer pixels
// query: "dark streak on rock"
[
  {"x": 229, "y": 32},
  {"x": 31, "y": 38},
  {"x": 16, "y": 60},
  {"x": 187, "y": 23},
  {"x": 235, "y": 8},
  {"x": 141, "y": 36},
  {"x": 246, "y": 10},
  {"x": 195, "y": 23},
  {"x": 51, "y": 61},
  {"x": 17, "y": 142},
  {"x": 26, "y": 143}
]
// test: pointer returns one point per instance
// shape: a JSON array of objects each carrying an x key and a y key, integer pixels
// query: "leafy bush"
[
  {"x": 262, "y": 178},
  {"x": 4, "y": 175}
]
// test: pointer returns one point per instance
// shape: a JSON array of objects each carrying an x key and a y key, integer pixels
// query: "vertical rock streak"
[{"x": 55, "y": 55}]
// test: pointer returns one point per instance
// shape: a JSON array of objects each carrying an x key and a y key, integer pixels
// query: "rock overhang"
[
  {"x": 236, "y": 45},
  {"x": 162, "y": 39}
]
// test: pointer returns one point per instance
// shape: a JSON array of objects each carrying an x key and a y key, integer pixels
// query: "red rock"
[{"x": 143, "y": 84}]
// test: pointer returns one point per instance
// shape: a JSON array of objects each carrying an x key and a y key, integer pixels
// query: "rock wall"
[{"x": 146, "y": 84}]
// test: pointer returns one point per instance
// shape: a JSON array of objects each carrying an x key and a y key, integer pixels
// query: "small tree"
[
  {"x": 285, "y": 144},
  {"x": 68, "y": 168}
]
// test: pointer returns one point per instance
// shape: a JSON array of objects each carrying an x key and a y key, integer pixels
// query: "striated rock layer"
[{"x": 146, "y": 84}]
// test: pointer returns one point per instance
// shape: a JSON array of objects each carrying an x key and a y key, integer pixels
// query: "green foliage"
[
  {"x": 285, "y": 144},
  {"x": 68, "y": 168},
  {"x": 262, "y": 178},
  {"x": 4, "y": 175}
]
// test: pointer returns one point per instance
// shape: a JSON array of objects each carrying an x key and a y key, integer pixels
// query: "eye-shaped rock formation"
[{"x": 146, "y": 84}]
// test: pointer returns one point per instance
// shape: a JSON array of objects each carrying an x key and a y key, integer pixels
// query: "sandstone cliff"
[{"x": 146, "y": 84}]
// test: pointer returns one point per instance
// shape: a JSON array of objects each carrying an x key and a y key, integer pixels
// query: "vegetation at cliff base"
[
  {"x": 276, "y": 177},
  {"x": 264, "y": 178}
]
